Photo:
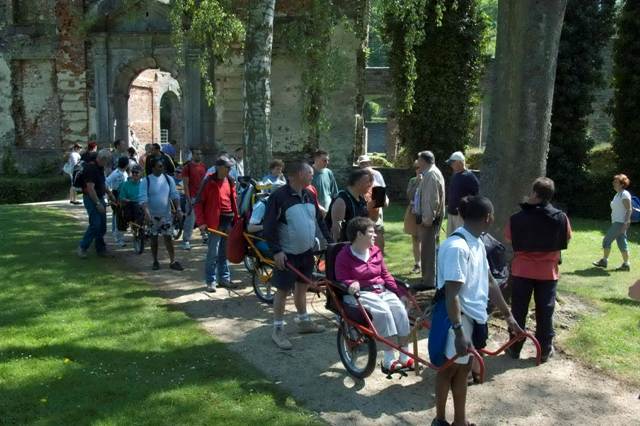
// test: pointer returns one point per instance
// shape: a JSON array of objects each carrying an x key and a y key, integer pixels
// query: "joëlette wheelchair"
[{"x": 357, "y": 335}]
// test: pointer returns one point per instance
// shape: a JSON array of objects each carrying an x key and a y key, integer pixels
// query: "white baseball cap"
[{"x": 456, "y": 156}]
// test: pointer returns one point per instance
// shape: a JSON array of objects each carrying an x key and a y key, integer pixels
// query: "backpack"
[
  {"x": 635, "y": 209},
  {"x": 497, "y": 257},
  {"x": 77, "y": 177}
]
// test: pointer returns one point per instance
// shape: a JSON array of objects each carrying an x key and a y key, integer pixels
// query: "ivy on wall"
[
  {"x": 211, "y": 27},
  {"x": 436, "y": 62},
  {"x": 309, "y": 39}
]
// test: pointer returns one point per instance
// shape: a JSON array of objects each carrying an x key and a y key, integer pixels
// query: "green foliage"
[
  {"x": 309, "y": 38},
  {"x": 211, "y": 27},
  {"x": 24, "y": 189},
  {"x": 588, "y": 27},
  {"x": 371, "y": 109},
  {"x": 403, "y": 30},
  {"x": 489, "y": 8},
  {"x": 626, "y": 69},
  {"x": 436, "y": 72},
  {"x": 379, "y": 159},
  {"x": 378, "y": 50}
]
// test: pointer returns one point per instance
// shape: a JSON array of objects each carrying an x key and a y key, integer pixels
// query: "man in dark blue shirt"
[{"x": 463, "y": 183}]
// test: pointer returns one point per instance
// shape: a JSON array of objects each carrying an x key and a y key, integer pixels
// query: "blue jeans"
[
  {"x": 216, "y": 267},
  {"x": 97, "y": 226},
  {"x": 615, "y": 233}
]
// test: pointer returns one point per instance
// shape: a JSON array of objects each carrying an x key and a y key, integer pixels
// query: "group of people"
[{"x": 306, "y": 209}]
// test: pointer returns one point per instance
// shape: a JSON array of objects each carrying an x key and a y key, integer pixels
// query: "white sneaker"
[
  {"x": 280, "y": 338},
  {"x": 186, "y": 245}
]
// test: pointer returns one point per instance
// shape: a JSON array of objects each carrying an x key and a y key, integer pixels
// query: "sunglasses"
[{"x": 135, "y": 173}]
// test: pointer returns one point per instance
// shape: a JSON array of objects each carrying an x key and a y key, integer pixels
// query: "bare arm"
[
  {"x": 337, "y": 215},
  {"x": 462, "y": 341}
]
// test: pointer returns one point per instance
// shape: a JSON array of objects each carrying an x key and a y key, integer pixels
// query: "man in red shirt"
[
  {"x": 217, "y": 209},
  {"x": 537, "y": 233},
  {"x": 192, "y": 174}
]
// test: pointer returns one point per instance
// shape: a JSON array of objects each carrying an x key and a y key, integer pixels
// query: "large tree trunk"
[
  {"x": 257, "y": 87},
  {"x": 518, "y": 139}
]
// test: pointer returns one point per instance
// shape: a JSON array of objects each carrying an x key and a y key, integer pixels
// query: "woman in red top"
[{"x": 360, "y": 265}]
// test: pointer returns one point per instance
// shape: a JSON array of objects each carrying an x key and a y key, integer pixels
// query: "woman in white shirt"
[
  {"x": 72, "y": 160},
  {"x": 620, "y": 221}
]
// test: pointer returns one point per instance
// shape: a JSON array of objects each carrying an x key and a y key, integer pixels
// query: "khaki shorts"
[{"x": 161, "y": 226}]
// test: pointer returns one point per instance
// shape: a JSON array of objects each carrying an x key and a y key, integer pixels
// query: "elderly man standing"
[
  {"x": 290, "y": 225},
  {"x": 429, "y": 205},
  {"x": 375, "y": 212},
  {"x": 463, "y": 183},
  {"x": 94, "y": 189}
]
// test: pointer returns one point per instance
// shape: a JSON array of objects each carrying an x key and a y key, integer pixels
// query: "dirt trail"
[{"x": 515, "y": 392}]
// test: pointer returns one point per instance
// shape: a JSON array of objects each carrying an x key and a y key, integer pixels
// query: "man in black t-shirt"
[
  {"x": 463, "y": 183},
  {"x": 94, "y": 189},
  {"x": 349, "y": 203},
  {"x": 156, "y": 152}
]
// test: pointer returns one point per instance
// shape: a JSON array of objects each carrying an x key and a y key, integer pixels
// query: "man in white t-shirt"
[
  {"x": 375, "y": 213},
  {"x": 158, "y": 195},
  {"x": 464, "y": 276}
]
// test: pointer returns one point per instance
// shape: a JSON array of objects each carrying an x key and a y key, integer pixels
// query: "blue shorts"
[{"x": 615, "y": 233}]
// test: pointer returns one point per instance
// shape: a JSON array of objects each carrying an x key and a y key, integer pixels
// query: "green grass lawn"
[
  {"x": 83, "y": 343},
  {"x": 607, "y": 336}
]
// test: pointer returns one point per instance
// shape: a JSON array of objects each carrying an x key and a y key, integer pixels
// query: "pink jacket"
[{"x": 372, "y": 273}]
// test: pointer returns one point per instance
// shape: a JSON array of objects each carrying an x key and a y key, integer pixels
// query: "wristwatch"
[{"x": 456, "y": 326}]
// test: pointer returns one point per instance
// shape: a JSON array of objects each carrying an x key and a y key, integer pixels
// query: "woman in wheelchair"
[
  {"x": 360, "y": 265},
  {"x": 129, "y": 197}
]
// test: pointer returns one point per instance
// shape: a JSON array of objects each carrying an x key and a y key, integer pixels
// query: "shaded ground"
[{"x": 515, "y": 393}]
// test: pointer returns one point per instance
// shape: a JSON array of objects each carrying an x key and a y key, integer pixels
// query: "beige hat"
[
  {"x": 456, "y": 156},
  {"x": 364, "y": 159}
]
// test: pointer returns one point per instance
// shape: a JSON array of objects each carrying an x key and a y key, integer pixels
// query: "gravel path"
[{"x": 515, "y": 392}]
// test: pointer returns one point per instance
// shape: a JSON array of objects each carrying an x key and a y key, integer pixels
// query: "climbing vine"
[
  {"x": 436, "y": 63},
  {"x": 309, "y": 39},
  {"x": 211, "y": 27}
]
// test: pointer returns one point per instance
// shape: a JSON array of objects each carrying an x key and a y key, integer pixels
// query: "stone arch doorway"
[
  {"x": 144, "y": 116},
  {"x": 171, "y": 122}
]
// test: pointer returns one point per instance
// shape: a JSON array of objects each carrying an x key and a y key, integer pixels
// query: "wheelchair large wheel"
[
  {"x": 357, "y": 351},
  {"x": 138, "y": 240},
  {"x": 262, "y": 283}
]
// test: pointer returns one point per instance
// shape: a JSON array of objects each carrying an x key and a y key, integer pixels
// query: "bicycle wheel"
[
  {"x": 357, "y": 351},
  {"x": 262, "y": 286},
  {"x": 249, "y": 263},
  {"x": 178, "y": 224},
  {"x": 138, "y": 240}
]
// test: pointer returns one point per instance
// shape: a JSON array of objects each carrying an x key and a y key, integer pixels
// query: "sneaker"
[
  {"x": 228, "y": 284},
  {"x": 186, "y": 245},
  {"x": 106, "y": 253},
  {"x": 82, "y": 253},
  {"x": 210, "y": 288},
  {"x": 416, "y": 269},
  {"x": 602, "y": 263},
  {"x": 176, "y": 266},
  {"x": 308, "y": 326},
  {"x": 440, "y": 422},
  {"x": 280, "y": 338},
  {"x": 546, "y": 355},
  {"x": 624, "y": 267},
  {"x": 155, "y": 265},
  {"x": 205, "y": 240}
]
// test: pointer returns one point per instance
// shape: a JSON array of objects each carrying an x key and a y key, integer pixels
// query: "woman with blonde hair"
[{"x": 620, "y": 221}]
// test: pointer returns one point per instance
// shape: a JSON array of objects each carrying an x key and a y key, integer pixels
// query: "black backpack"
[
  {"x": 497, "y": 257},
  {"x": 77, "y": 178}
]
